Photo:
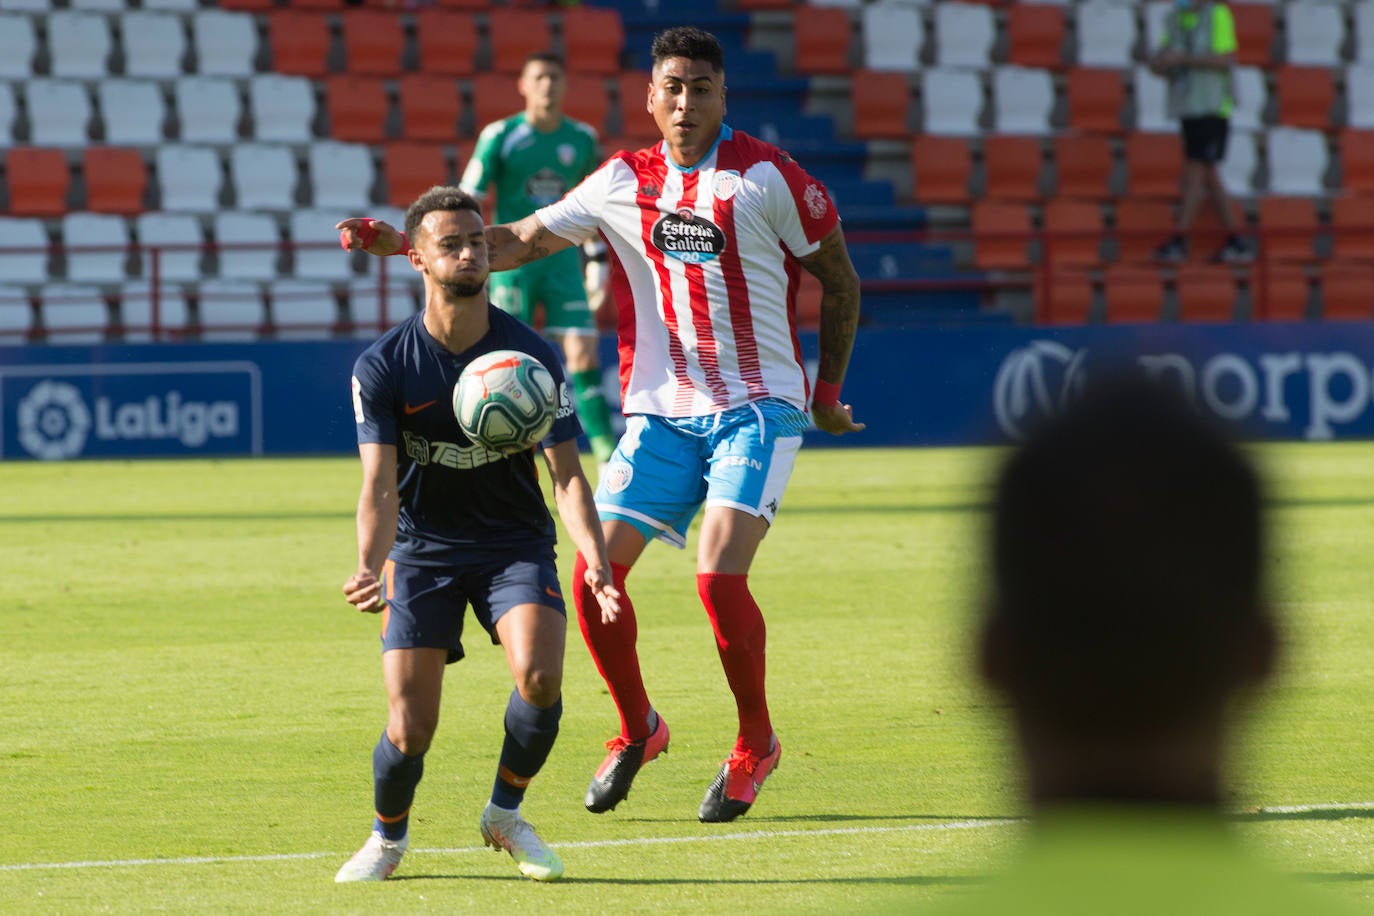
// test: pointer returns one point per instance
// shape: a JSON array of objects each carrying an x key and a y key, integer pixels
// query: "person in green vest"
[
  {"x": 1125, "y": 627},
  {"x": 1196, "y": 57},
  {"x": 531, "y": 159}
]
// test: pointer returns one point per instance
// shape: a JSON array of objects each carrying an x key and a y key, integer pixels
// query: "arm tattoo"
[
  {"x": 514, "y": 244},
  {"x": 830, "y": 264}
]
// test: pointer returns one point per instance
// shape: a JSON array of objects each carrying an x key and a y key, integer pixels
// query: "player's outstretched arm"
[
  {"x": 374, "y": 236},
  {"x": 573, "y": 494},
  {"x": 512, "y": 244},
  {"x": 378, "y": 512},
  {"x": 830, "y": 264}
]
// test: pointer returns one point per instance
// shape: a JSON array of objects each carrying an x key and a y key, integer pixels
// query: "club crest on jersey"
[
  {"x": 815, "y": 201},
  {"x": 545, "y": 187},
  {"x": 567, "y": 154},
  {"x": 725, "y": 184},
  {"x": 688, "y": 237}
]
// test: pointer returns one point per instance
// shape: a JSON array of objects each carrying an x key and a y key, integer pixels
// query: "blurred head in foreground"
[{"x": 1127, "y": 610}]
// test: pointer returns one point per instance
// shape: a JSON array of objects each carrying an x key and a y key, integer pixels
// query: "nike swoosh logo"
[
  {"x": 419, "y": 407},
  {"x": 551, "y": 593}
]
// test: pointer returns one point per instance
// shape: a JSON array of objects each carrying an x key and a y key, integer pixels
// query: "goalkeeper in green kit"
[{"x": 532, "y": 159}]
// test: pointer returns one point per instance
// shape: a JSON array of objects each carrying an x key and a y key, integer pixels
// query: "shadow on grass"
[
  {"x": 819, "y": 818},
  {"x": 898, "y": 881}
]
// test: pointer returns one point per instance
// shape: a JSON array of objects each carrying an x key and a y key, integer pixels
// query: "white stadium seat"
[
  {"x": 1314, "y": 33},
  {"x": 18, "y": 45},
  {"x": 1238, "y": 168},
  {"x": 9, "y": 114},
  {"x": 264, "y": 176},
  {"x": 133, "y": 112},
  {"x": 73, "y": 312},
  {"x": 316, "y": 253},
  {"x": 1359, "y": 94},
  {"x": 79, "y": 44},
  {"x": 964, "y": 34},
  {"x": 107, "y": 238},
  {"x": 59, "y": 112},
  {"x": 283, "y": 107},
  {"x": 179, "y": 239},
  {"x": 1251, "y": 97},
  {"x": 136, "y": 310},
  {"x": 303, "y": 309},
  {"x": 208, "y": 109},
  {"x": 154, "y": 44},
  {"x": 1298, "y": 160},
  {"x": 341, "y": 174},
  {"x": 1106, "y": 34},
  {"x": 16, "y": 314},
  {"x": 365, "y": 300},
  {"x": 189, "y": 177},
  {"x": 1152, "y": 103},
  {"x": 231, "y": 310},
  {"x": 893, "y": 34},
  {"x": 1023, "y": 100},
  {"x": 225, "y": 42},
  {"x": 952, "y": 100},
  {"x": 24, "y": 251},
  {"x": 248, "y": 244}
]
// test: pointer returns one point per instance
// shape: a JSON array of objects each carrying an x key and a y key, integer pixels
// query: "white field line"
[
  {"x": 635, "y": 841},
  {"x": 462, "y": 850}
]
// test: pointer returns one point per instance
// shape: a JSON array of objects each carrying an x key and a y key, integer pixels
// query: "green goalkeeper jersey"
[{"x": 527, "y": 168}]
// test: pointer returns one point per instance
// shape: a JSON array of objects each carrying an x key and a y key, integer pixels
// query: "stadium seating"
[
  {"x": 132, "y": 112},
  {"x": 17, "y": 319},
  {"x": 430, "y": 106},
  {"x": 1106, "y": 33},
  {"x": 247, "y": 245},
  {"x": 283, "y": 107},
  {"x": 1281, "y": 292},
  {"x": 153, "y": 44},
  {"x": 447, "y": 41},
  {"x": 592, "y": 40},
  {"x": 1023, "y": 99},
  {"x": 18, "y": 46},
  {"x": 513, "y": 34},
  {"x": 941, "y": 170},
  {"x": 299, "y": 42},
  {"x": 79, "y": 44},
  {"x": 25, "y": 257},
  {"x": 373, "y": 41},
  {"x": 96, "y": 246},
  {"x": 1073, "y": 230},
  {"x": 1298, "y": 160},
  {"x": 1012, "y": 167},
  {"x": 1001, "y": 235},
  {"x": 964, "y": 34},
  {"x": 1036, "y": 34},
  {"x": 189, "y": 177},
  {"x": 74, "y": 313},
  {"x": 1205, "y": 292},
  {"x": 341, "y": 175},
  {"x": 952, "y": 101},
  {"x": 209, "y": 109},
  {"x": 1314, "y": 33},
  {"x": 1288, "y": 226},
  {"x": 231, "y": 310},
  {"x": 892, "y": 38},
  {"x": 1132, "y": 294},
  {"x": 38, "y": 181},
  {"x": 823, "y": 37},
  {"x": 9, "y": 114},
  {"x": 116, "y": 180},
  {"x": 175, "y": 240},
  {"x": 135, "y": 309},
  {"x": 225, "y": 42},
  {"x": 264, "y": 176},
  {"x": 59, "y": 112},
  {"x": 358, "y": 107},
  {"x": 1344, "y": 290},
  {"x": 302, "y": 309},
  {"x": 1084, "y": 165}
]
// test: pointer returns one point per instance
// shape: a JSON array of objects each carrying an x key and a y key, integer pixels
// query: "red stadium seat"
[
  {"x": 1356, "y": 148},
  {"x": 358, "y": 108},
  {"x": 515, "y": 34},
  {"x": 588, "y": 99},
  {"x": 1133, "y": 294},
  {"x": 430, "y": 107},
  {"x": 1288, "y": 226},
  {"x": 116, "y": 179},
  {"x": 1154, "y": 164},
  {"x": 1066, "y": 297},
  {"x": 881, "y": 102},
  {"x": 1209, "y": 232},
  {"x": 1096, "y": 99},
  {"x": 1035, "y": 35},
  {"x": 374, "y": 41},
  {"x": 494, "y": 96},
  {"x": 1352, "y": 228},
  {"x": 1206, "y": 292},
  {"x": 412, "y": 168},
  {"x": 1281, "y": 292},
  {"x": 1306, "y": 96},
  {"x": 38, "y": 181},
  {"x": 1084, "y": 165},
  {"x": 1344, "y": 290},
  {"x": 593, "y": 39},
  {"x": 1255, "y": 33},
  {"x": 1011, "y": 167},
  {"x": 1141, "y": 224},
  {"x": 1073, "y": 233},
  {"x": 300, "y": 42},
  {"x": 446, "y": 41},
  {"x": 1001, "y": 235},
  {"x": 941, "y": 168},
  {"x": 822, "y": 38},
  {"x": 635, "y": 122}
]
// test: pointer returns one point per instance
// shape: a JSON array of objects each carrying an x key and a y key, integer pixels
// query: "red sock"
[
  {"x": 612, "y": 646},
  {"x": 740, "y": 639}
]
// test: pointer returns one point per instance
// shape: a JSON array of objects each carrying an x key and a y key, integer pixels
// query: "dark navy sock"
[
  {"x": 394, "y": 778},
  {"x": 530, "y": 733}
]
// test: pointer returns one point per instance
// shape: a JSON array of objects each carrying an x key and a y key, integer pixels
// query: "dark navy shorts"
[
  {"x": 426, "y": 604},
  {"x": 1204, "y": 138}
]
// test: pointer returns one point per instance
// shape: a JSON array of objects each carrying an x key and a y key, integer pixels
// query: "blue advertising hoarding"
[{"x": 918, "y": 386}]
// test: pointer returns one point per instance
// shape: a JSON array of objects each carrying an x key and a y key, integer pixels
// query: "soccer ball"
[{"x": 505, "y": 400}]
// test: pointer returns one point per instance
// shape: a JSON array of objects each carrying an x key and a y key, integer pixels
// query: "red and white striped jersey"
[{"x": 704, "y": 271}]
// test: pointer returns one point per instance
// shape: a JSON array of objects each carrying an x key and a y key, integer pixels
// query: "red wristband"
[{"x": 827, "y": 394}]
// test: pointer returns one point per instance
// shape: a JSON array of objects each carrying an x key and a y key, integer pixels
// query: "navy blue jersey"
[{"x": 458, "y": 500}]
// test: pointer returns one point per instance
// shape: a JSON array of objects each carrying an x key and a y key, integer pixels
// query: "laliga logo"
[
  {"x": 53, "y": 421},
  {"x": 1036, "y": 381}
]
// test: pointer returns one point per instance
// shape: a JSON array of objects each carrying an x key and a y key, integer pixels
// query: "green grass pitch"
[{"x": 190, "y": 707}]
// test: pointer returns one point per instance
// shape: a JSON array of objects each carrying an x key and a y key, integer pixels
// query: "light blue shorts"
[{"x": 665, "y": 467}]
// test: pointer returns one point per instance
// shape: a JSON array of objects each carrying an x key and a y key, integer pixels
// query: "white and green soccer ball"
[{"x": 505, "y": 400}]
